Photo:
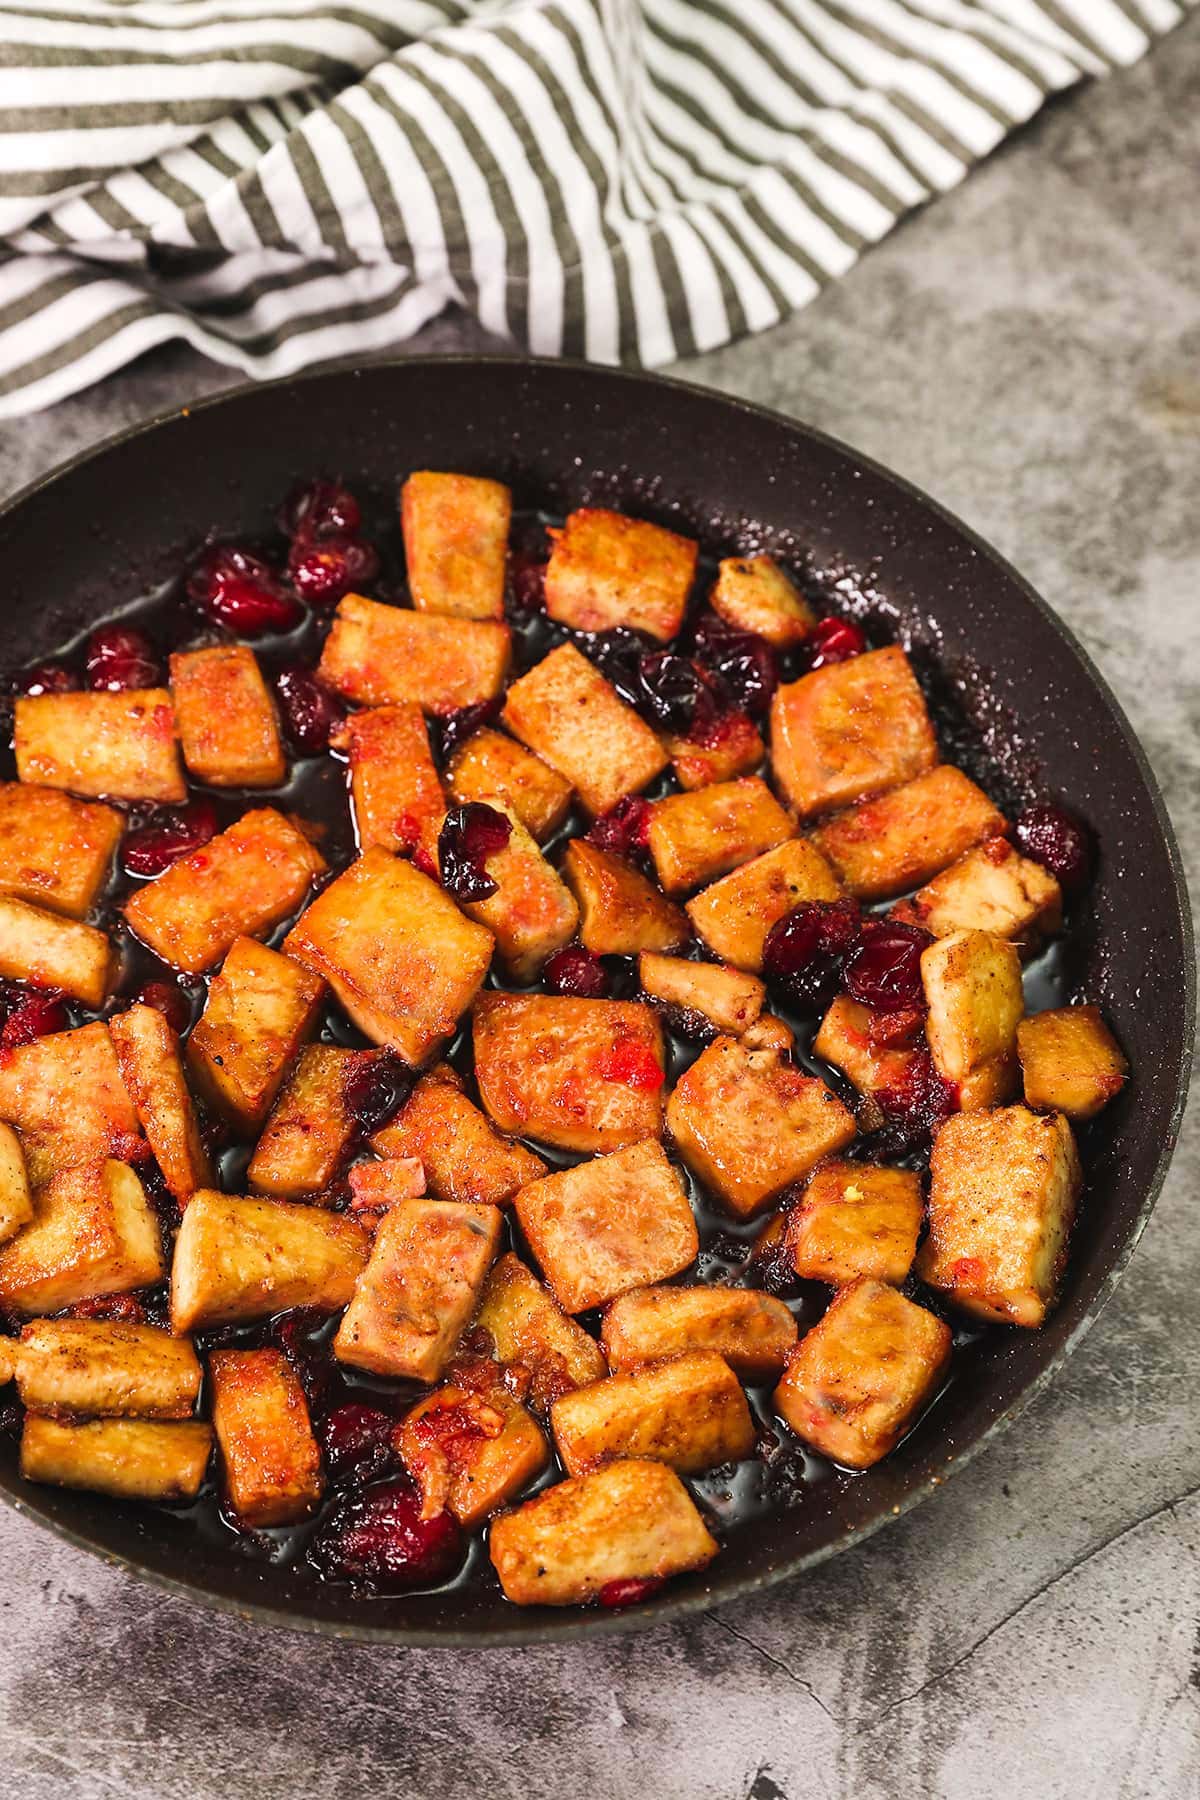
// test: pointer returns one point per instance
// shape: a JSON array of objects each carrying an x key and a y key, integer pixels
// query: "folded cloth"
[{"x": 282, "y": 182}]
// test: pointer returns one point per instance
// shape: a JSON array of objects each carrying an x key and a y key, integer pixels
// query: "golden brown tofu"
[
  {"x": 992, "y": 888},
  {"x": 463, "y": 1155},
  {"x": 152, "y": 1071},
  {"x": 973, "y": 986},
  {"x": 456, "y": 543},
  {"x": 689, "y": 1413},
  {"x": 606, "y": 571},
  {"x": 529, "y": 1328},
  {"x": 887, "y": 845},
  {"x": 768, "y": 1033},
  {"x": 492, "y": 767},
  {"x": 419, "y": 1289},
  {"x": 104, "y": 746},
  {"x": 227, "y": 722},
  {"x": 604, "y": 1227},
  {"x": 310, "y": 1127},
  {"x": 129, "y": 1459},
  {"x": 734, "y": 748},
  {"x": 55, "y": 851},
  {"x": 1004, "y": 1187},
  {"x": 620, "y": 911},
  {"x": 238, "y": 1259},
  {"x": 696, "y": 837},
  {"x": 856, "y": 1383},
  {"x": 730, "y": 1000},
  {"x": 47, "y": 950},
  {"x": 65, "y": 1096},
  {"x": 379, "y": 655},
  {"x": 106, "y": 1368},
  {"x": 753, "y": 1332},
  {"x": 850, "y": 730},
  {"x": 749, "y": 1123},
  {"x": 471, "y": 1452},
  {"x": 856, "y": 1219},
  {"x": 242, "y": 884},
  {"x": 16, "y": 1202},
  {"x": 1071, "y": 1061},
  {"x": 734, "y": 915},
  {"x": 845, "y": 1041},
  {"x": 627, "y": 1521},
  {"x": 580, "y": 1074},
  {"x": 752, "y": 593},
  {"x": 261, "y": 1008},
  {"x": 93, "y": 1232},
  {"x": 566, "y": 712},
  {"x": 532, "y": 912},
  {"x": 271, "y": 1463},
  {"x": 399, "y": 955},
  {"x": 396, "y": 790},
  {"x": 376, "y": 1185}
]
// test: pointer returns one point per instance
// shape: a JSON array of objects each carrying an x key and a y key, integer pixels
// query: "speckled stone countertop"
[{"x": 1028, "y": 351}]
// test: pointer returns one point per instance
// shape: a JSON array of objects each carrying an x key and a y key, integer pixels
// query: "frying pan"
[{"x": 117, "y": 521}]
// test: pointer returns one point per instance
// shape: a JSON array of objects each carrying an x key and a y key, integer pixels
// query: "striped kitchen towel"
[{"x": 281, "y": 182}]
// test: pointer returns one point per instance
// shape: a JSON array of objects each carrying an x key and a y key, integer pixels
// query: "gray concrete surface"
[{"x": 1029, "y": 351}]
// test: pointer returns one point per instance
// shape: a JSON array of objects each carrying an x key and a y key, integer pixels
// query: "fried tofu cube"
[
  {"x": 856, "y": 1219},
  {"x": 884, "y": 846},
  {"x": 238, "y": 1259},
  {"x": 845, "y": 1040},
  {"x": 850, "y": 730},
  {"x": 55, "y": 851},
  {"x": 399, "y": 955},
  {"x": 65, "y": 1095},
  {"x": 532, "y": 912},
  {"x": 493, "y": 768},
  {"x": 463, "y": 1155},
  {"x": 1071, "y": 1061},
  {"x": 856, "y": 1383},
  {"x": 105, "y": 746},
  {"x": 749, "y": 1123},
  {"x": 1004, "y": 1187},
  {"x": 394, "y": 785},
  {"x": 106, "y": 1368},
  {"x": 271, "y": 1462},
  {"x": 93, "y": 1232},
  {"x": 992, "y": 888},
  {"x": 580, "y": 1074},
  {"x": 566, "y": 712},
  {"x": 753, "y": 1332},
  {"x": 627, "y": 1521},
  {"x": 736, "y": 749},
  {"x": 752, "y": 593},
  {"x": 528, "y": 1327},
  {"x": 47, "y": 950},
  {"x": 379, "y": 655},
  {"x": 456, "y": 543},
  {"x": 242, "y": 884},
  {"x": 419, "y": 1289},
  {"x": 471, "y": 1452},
  {"x": 735, "y": 914},
  {"x": 604, "y": 1227},
  {"x": 128, "y": 1459},
  {"x": 972, "y": 983},
  {"x": 730, "y": 1000},
  {"x": 16, "y": 1202},
  {"x": 621, "y": 912},
  {"x": 152, "y": 1071},
  {"x": 261, "y": 1008},
  {"x": 310, "y": 1127},
  {"x": 227, "y": 722},
  {"x": 607, "y": 571},
  {"x": 695, "y": 837},
  {"x": 376, "y": 1185},
  {"x": 689, "y": 1412}
]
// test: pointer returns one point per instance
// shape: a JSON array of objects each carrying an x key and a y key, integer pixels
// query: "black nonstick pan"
[{"x": 119, "y": 520}]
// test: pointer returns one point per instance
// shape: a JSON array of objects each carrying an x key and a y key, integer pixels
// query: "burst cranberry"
[
  {"x": 124, "y": 1309},
  {"x": 311, "y": 714},
  {"x": 469, "y": 835},
  {"x": 631, "y": 1063},
  {"x": 834, "y": 641},
  {"x": 322, "y": 573},
  {"x": 576, "y": 971},
  {"x": 805, "y": 950},
  {"x": 168, "y": 999},
  {"x": 320, "y": 509},
  {"x": 745, "y": 663},
  {"x": 357, "y": 1440},
  {"x": 46, "y": 678},
  {"x": 677, "y": 694},
  {"x": 884, "y": 971},
  {"x": 458, "y": 726},
  {"x": 526, "y": 583},
  {"x": 917, "y": 1108},
  {"x": 34, "y": 1016},
  {"x": 1051, "y": 837},
  {"x": 119, "y": 657},
  {"x": 629, "y": 1592},
  {"x": 377, "y": 1539},
  {"x": 625, "y": 831},
  {"x": 896, "y": 1030},
  {"x": 153, "y": 848},
  {"x": 687, "y": 1022},
  {"x": 376, "y": 1090},
  {"x": 242, "y": 592},
  {"x": 618, "y": 655}
]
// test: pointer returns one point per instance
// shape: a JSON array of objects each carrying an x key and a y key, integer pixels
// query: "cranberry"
[
  {"x": 631, "y": 1063},
  {"x": 576, "y": 971},
  {"x": 46, "y": 678},
  {"x": 34, "y": 1015},
  {"x": 469, "y": 835},
  {"x": 119, "y": 657},
  {"x": 377, "y": 1539},
  {"x": 320, "y": 509},
  {"x": 311, "y": 714},
  {"x": 526, "y": 583},
  {"x": 631, "y": 1591},
  {"x": 618, "y": 655},
  {"x": 322, "y": 573},
  {"x": 915, "y": 1110},
  {"x": 458, "y": 726},
  {"x": 677, "y": 694},
  {"x": 834, "y": 641},
  {"x": 240, "y": 591},
  {"x": 745, "y": 663},
  {"x": 688, "y": 1023},
  {"x": 293, "y": 1332},
  {"x": 125, "y": 1309},
  {"x": 896, "y": 1030},
  {"x": 154, "y": 847},
  {"x": 625, "y": 830},
  {"x": 358, "y": 1440},
  {"x": 375, "y": 1090},
  {"x": 884, "y": 971},
  {"x": 805, "y": 950},
  {"x": 168, "y": 999},
  {"x": 1052, "y": 837}
]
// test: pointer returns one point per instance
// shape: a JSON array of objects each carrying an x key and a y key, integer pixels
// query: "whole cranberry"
[
  {"x": 456, "y": 727},
  {"x": 805, "y": 950},
  {"x": 322, "y": 573},
  {"x": 357, "y": 1440},
  {"x": 469, "y": 835},
  {"x": 1049, "y": 835},
  {"x": 310, "y": 713},
  {"x": 240, "y": 591},
  {"x": 375, "y": 1090},
  {"x": 884, "y": 970},
  {"x": 834, "y": 641},
  {"x": 33, "y": 1015},
  {"x": 625, "y": 831},
  {"x": 173, "y": 834},
  {"x": 46, "y": 678},
  {"x": 168, "y": 999},
  {"x": 744, "y": 662},
  {"x": 377, "y": 1539},
  {"x": 631, "y": 1591},
  {"x": 320, "y": 509},
  {"x": 526, "y": 583},
  {"x": 119, "y": 657},
  {"x": 576, "y": 971}
]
